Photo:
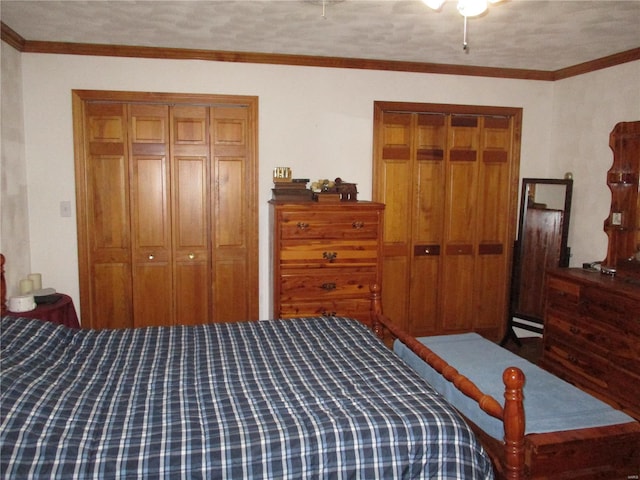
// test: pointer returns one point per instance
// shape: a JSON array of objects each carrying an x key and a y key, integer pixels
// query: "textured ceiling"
[{"x": 531, "y": 34}]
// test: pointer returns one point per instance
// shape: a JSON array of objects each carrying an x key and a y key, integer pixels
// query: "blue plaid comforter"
[{"x": 276, "y": 399}]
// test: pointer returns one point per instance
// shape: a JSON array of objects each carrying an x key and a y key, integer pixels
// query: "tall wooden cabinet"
[
  {"x": 448, "y": 176},
  {"x": 325, "y": 258},
  {"x": 167, "y": 219}
]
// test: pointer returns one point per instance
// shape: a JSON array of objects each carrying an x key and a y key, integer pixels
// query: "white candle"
[
  {"x": 36, "y": 278},
  {"x": 26, "y": 286}
]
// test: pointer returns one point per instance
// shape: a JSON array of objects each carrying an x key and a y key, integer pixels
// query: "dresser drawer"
[
  {"x": 562, "y": 294},
  {"x": 337, "y": 225},
  {"x": 354, "y": 308},
  {"x": 624, "y": 385},
  {"x": 619, "y": 312},
  {"x": 572, "y": 331},
  {"x": 336, "y": 253},
  {"x": 326, "y": 284},
  {"x": 577, "y": 366}
]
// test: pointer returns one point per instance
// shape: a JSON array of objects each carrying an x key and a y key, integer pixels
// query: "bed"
[
  {"x": 608, "y": 448},
  {"x": 301, "y": 398}
]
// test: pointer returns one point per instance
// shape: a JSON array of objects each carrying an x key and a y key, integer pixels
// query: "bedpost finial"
[{"x": 513, "y": 378}]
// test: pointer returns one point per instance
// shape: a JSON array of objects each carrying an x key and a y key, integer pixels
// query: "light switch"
[{"x": 65, "y": 208}]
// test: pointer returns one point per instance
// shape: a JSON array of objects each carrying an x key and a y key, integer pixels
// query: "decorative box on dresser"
[
  {"x": 592, "y": 335},
  {"x": 325, "y": 257}
]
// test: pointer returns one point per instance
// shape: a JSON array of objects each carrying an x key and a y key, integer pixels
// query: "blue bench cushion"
[{"x": 550, "y": 403}]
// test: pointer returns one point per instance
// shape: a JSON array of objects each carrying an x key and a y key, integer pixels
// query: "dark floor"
[{"x": 530, "y": 348}]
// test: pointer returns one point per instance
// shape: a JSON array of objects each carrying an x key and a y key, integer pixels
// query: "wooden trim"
[
  {"x": 166, "y": 98},
  {"x": 3, "y": 287},
  {"x": 598, "y": 64},
  {"x": 445, "y": 108},
  {"x": 68, "y": 48},
  {"x": 12, "y": 38}
]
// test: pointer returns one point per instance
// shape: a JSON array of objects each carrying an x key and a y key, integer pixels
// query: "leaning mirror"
[{"x": 543, "y": 229}]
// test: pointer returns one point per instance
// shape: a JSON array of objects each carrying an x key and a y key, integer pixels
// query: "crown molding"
[
  {"x": 11, "y": 38},
  {"x": 66, "y": 48},
  {"x": 598, "y": 64}
]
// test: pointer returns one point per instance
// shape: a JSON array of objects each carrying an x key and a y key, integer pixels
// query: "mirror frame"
[{"x": 519, "y": 249}]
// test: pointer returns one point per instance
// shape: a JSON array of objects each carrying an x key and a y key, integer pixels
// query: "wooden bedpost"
[
  {"x": 376, "y": 310},
  {"x": 514, "y": 423},
  {"x": 3, "y": 287}
]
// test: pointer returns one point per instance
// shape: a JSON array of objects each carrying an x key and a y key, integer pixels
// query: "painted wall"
[
  {"x": 318, "y": 121},
  {"x": 586, "y": 108},
  {"x": 14, "y": 219}
]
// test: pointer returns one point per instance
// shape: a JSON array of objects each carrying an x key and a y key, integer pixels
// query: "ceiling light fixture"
[
  {"x": 466, "y": 8},
  {"x": 324, "y": 4}
]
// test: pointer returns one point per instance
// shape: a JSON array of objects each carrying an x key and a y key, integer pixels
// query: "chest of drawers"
[
  {"x": 325, "y": 257},
  {"x": 592, "y": 335}
]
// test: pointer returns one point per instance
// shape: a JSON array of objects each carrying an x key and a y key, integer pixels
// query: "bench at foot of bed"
[{"x": 567, "y": 432}]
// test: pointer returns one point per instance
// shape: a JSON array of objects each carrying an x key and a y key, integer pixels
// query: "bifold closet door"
[
  {"x": 104, "y": 232},
  {"x": 191, "y": 213},
  {"x": 447, "y": 182},
  {"x": 167, "y": 208},
  {"x": 150, "y": 192}
]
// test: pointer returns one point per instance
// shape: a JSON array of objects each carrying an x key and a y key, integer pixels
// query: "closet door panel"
[
  {"x": 190, "y": 172},
  {"x": 230, "y": 300},
  {"x": 428, "y": 221},
  {"x": 151, "y": 215},
  {"x": 458, "y": 308},
  {"x": 192, "y": 263},
  {"x": 111, "y": 295},
  {"x": 107, "y": 215},
  {"x": 109, "y": 224},
  {"x": 152, "y": 299},
  {"x": 461, "y": 200},
  {"x": 493, "y": 268},
  {"x": 234, "y": 242},
  {"x": 395, "y": 153},
  {"x": 192, "y": 279},
  {"x": 229, "y": 202},
  {"x": 396, "y": 175},
  {"x": 424, "y": 311}
]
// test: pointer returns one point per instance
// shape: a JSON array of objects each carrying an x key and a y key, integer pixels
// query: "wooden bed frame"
[{"x": 601, "y": 452}]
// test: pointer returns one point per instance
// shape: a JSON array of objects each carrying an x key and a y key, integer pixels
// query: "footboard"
[{"x": 512, "y": 415}]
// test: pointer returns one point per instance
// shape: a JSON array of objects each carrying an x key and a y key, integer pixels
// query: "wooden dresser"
[
  {"x": 592, "y": 335},
  {"x": 325, "y": 256}
]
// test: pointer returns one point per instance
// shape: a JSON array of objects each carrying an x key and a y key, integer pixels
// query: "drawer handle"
[
  {"x": 151, "y": 256},
  {"x": 572, "y": 359},
  {"x": 357, "y": 225},
  {"x": 331, "y": 256},
  {"x": 574, "y": 330},
  {"x": 302, "y": 225},
  {"x": 328, "y": 314},
  {"x": 191, "y": 256},
  {"x": 328, "y": 286}
]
